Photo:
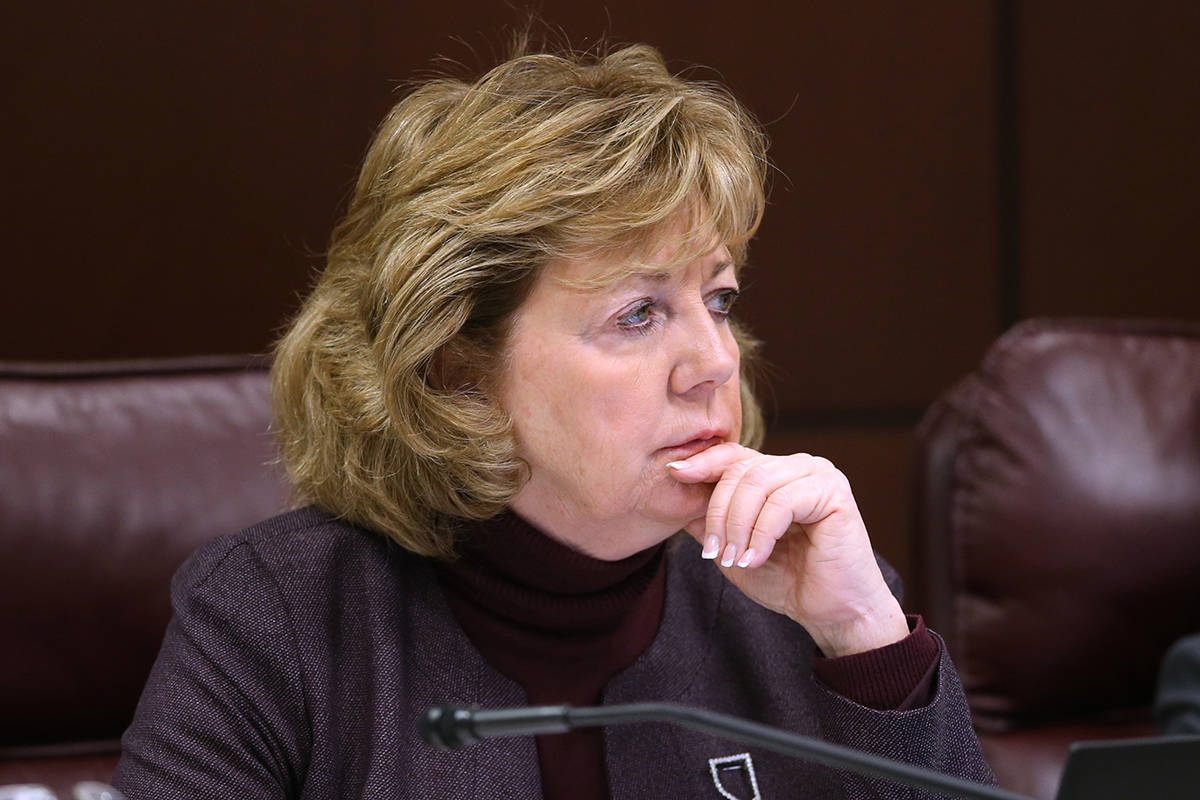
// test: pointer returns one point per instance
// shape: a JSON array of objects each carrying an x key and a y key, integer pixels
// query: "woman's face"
[{"x": 606, "y": 386}]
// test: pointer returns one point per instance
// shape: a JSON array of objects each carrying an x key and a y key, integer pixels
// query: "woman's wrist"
[{"x": 875, "y": 627}]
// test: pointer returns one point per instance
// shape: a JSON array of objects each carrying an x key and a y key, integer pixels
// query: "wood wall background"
[{"x": 945, "y": 168}]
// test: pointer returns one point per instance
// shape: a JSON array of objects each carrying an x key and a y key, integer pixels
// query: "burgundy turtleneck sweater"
[{"x": 561, "y": 624}]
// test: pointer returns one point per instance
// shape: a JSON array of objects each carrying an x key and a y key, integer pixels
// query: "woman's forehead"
[{"x": 669, "y": 262}]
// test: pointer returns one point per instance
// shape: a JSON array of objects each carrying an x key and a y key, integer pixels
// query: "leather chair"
[
  {"x": 1057, "y": 532},
  {"x": 110, "y": 475}
]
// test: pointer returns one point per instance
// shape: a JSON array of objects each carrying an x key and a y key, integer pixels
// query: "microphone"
[{"x": 455, "y": 727}]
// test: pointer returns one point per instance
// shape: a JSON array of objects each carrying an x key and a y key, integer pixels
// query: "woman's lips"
[{"x": 679, "y": 452}]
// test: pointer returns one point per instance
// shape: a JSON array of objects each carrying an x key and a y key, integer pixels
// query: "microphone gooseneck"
[{"x": 454, "y": 727}]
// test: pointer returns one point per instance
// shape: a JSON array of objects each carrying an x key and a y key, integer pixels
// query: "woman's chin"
[{"x": 683, "y": 503}]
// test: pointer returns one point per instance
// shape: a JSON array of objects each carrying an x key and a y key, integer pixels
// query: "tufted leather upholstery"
[
  {"x": 1057, "y": 532},
  {"x": 110, "y": 475}
]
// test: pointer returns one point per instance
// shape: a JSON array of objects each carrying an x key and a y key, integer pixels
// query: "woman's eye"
[
  {"x": 637, "y": 318},
  {"x": 722, "y": 302}
]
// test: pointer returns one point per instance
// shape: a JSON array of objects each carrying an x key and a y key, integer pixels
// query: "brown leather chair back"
[
  {"x": 110, "y": 475},
  {"x": 1058, "y": 517}
]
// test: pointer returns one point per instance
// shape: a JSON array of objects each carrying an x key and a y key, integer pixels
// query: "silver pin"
[{"x": 734, "y": 762}]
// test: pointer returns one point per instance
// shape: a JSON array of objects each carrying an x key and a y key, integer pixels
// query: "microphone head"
[{"x": 447, "y": 727}]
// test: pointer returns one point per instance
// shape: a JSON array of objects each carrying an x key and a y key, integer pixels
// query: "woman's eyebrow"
[
  {"x": 659, "y": 277},
  {"x": 720, "y": 267}
]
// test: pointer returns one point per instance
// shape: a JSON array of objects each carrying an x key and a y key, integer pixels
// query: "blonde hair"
[{"x": 467, "y": 191}]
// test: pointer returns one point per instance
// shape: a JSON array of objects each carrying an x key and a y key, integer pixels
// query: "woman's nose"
[{"x": 707, "y": 355}]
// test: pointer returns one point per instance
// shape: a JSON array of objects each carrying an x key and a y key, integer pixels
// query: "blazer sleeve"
[
  {"x": 222, "y": 715},
  {"x": 937, "y": 735}
]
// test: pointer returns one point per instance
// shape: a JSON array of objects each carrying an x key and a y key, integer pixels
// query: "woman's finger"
[
  {"x": 761, "y": 477},
  {"x": 716, "y": 544},
  {"x": 776, "y": 516},
  {"x": 709, "y": 465}
]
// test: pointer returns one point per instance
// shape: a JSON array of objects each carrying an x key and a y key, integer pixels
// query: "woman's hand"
[{"x": 787, "y": 532}]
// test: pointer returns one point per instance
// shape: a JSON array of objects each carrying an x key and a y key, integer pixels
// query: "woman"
[{"x": 515, "y": 381}]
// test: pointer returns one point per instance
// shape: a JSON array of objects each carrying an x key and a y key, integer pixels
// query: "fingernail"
[
  {"x": 712, "y": 546},
  {"x": 679, "y": 464},
  {"x": 730, "y": 552},
  {"x": 746, "y": 558}
]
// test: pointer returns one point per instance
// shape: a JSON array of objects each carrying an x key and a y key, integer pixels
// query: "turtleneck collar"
[{"x": 525, "y": 578}]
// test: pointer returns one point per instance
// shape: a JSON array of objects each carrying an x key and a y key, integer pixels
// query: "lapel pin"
[{"x": 730, "y": 764}]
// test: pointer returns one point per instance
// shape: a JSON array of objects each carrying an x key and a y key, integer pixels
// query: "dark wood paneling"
[
  {"x": 171, "y": 168},
  {"x": 881, "y": 237},
  {"x": 1110, "y": 126}
]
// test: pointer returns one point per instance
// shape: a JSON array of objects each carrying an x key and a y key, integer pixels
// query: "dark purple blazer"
[{"x": 303, "y": 650}]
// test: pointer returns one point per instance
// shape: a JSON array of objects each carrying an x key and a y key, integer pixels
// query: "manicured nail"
[
  {"x": 712, "y": 546},
  {"x": 679, "y": 464},
  {"x": 746, "y": 558},
  {"x": 730, "y": 552}
]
